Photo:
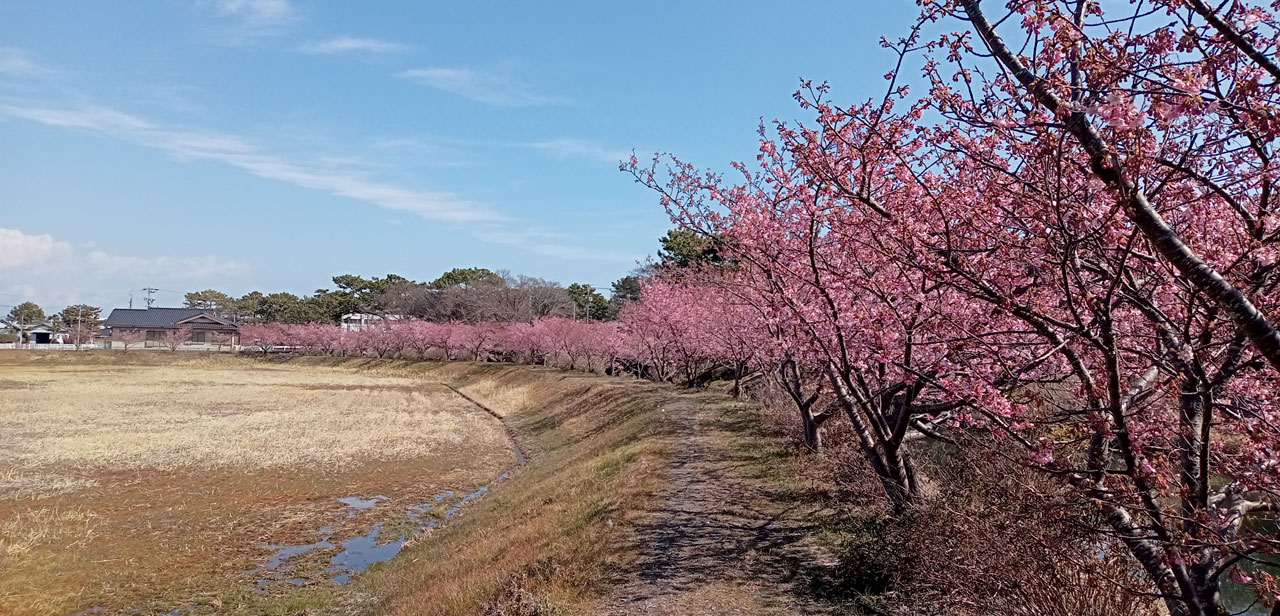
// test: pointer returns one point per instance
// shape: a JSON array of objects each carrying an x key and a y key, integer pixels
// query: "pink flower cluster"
[{"x": 572, "y": 344}]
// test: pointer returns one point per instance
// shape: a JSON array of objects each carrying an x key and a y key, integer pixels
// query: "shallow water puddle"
[
  {"x": 363, "y": 551},
  {"x": 480, "y": 491},
  {"x": 357, "y": 504},
  {"x": 415, "y": 512},
  {"x": 285, "y": 552},
  {"x": 360, "y": 553}
]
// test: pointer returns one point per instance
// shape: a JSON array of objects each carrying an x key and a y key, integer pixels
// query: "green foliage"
[
  {"x": 364, "y": 293},
  {"x": 26, "y": 314},
  {"x": 274, "y": 308},
  {"x": 588, "y": 303},
  {"x": 209, "y": 299},
  {"x": 684, "y": 248},
  {"x": 329, "y": 306},
  {"x": 623, "y": 290},
  {"x": 245, "y": 308},
  {"x": 281, "y": 307},
  {"x": 469, "y": 294},
  {"x": 81, "y": 315},
  {"x": 353, "y": 294},
  {"x": 365, "y": 288},
  {"x": 466, "y": 276}
]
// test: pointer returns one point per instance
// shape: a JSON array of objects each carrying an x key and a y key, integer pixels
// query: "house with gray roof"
[
  {"x": 37, "y": 333},
  {"x": 155, "y": 325}
]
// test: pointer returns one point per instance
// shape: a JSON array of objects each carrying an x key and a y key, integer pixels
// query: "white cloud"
[
  {"x": 338, "y": 176},
  {"x": 550, "y": 243},
  {"x": 348, "y": 44},
  {"x": 52, "y": 272},
  {"x": 581, "y": 253},
  {"x": 258, "y": 13},
  {"x": 18, "y": 249},
  {"x": 483, "y": 87},
  {"x": 242, "y": 154},
  {"x": 169, "y": 268},
  {"x": 21, "y": 63},
  {"x": 580, "y": 148}
]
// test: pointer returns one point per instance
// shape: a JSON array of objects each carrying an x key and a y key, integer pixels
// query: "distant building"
[
  {"x": 40, "y": 333},
  {"x": 8, "y": 330},
  {"x": 360, "y": 321},
  {"x": 156, "y": 323}
]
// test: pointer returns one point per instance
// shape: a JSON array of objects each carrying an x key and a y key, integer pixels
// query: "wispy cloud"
[
  {"x": 242, "y": 154},
  {"x": 552, "y": 244},
  {"x": 342, "y": 176},
  {"x": 582, "y": 253},
  {"x": 258, "y": 12},
  {"x": 490, "y": 88},
  {"x": 350, "y": 44},
  {"x": 580, "y": 148},
  {"x": 254, "y": 18},
  {"x": 21, "y": 63},
  {"x": 30, "y": 261}
]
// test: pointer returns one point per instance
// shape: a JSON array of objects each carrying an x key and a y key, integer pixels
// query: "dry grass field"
[{"x": 139, "y": 485}]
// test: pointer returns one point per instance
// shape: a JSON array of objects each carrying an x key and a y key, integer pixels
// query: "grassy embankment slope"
[
  {"x": 568, "y": 532},
  {"x": 551, "y": 538},
  {"x": 558, "y": 535}
]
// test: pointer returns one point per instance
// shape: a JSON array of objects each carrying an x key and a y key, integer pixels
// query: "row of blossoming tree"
[
  {"x": 1067, "y": 246},
  {"x": 1063, "y": 252},
  {"x": 680, "y": 332}
]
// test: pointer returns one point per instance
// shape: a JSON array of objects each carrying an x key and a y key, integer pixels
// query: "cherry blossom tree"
[
  {"x": 221, "y": 339},
  {"x": 127, "y": 337},
  {"x": 1095, "y": 292},
  {"x": 173, "y": 339},
  {"x": 476, "y": 338},
  {"x": 420, "y": 336},
  {"x": 1150, "y": 133},
  {"x": 1184, "y": 92},
  {"x": 264, "y": 336}
]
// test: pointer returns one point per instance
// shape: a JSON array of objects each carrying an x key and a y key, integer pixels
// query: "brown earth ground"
[
  {"x": 725, "y": 536},
  {"x": 128, "y": 488},
  {"x": 638, "y": 498}
]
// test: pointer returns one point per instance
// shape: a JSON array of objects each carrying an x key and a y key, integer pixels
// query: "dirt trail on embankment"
[{"x": 721, "y": 538}]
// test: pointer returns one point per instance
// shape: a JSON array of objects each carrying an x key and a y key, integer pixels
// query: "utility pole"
[
  {"x": 150, "y": 291},
  {"x": 79, "y": 320}
]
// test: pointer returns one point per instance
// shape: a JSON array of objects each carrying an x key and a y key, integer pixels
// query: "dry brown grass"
[
  {"x": 561, "y": 532},
  {"x": 227, "y": 417},
  {"x": 139, "y": 485},
  {"x": 26, "y": 531},
  {"x": 551, "y": 539}
]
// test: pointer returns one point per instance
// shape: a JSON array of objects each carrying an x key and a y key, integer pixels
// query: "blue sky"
[{"x": 271, "y": 144}]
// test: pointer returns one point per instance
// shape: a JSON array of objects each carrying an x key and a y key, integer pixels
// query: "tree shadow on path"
[{"x": 722, "y": 537}]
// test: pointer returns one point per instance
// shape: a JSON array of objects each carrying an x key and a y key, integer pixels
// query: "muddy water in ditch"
[{"x": 363, "y": 551}]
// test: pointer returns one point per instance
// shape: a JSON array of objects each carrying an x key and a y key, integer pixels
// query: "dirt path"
[{"x": 720, "y": 540}]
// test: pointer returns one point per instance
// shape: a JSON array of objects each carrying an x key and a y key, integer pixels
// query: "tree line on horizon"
[{"x": 471, "y": 295}]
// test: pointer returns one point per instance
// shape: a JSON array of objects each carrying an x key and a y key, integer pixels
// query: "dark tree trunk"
[{"x": 1106, "y": 165}]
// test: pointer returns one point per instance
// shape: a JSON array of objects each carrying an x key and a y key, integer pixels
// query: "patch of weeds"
[
  {"x": 610, "y": 464},
  {"x": 517, "y": 599},
  {"x": 868, "y": 568}
]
